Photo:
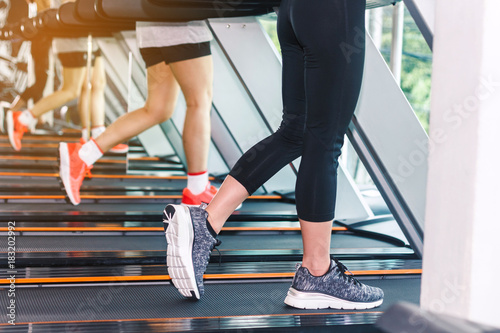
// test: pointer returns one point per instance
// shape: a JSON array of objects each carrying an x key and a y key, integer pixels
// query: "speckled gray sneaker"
[
  {"x": 335, "y": 290},
  {"x": 189, "y": 247}
]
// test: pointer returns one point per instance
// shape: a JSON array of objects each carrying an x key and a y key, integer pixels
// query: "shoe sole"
[
  {"x": 313, "y": 301},
  {"x": 10, "y": 129},
  {"x": 64, "y": 171},
  {"x": 180, "y": 237},
  {"x": 186, "y": 205},
  {"x": 118, "y": 151}
]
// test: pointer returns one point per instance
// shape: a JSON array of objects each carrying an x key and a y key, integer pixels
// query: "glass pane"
[
  {"x": 417, "y": 58},
  {"x": 268, "y": 22}
]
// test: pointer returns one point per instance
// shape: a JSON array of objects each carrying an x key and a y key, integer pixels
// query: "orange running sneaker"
[
  {"x": 190, "y": 199},
  {"x": 15, "y": 129},
  {"x": 72, "y": 170}
]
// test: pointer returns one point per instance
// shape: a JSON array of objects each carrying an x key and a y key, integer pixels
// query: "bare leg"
[
  {"x": 98, "y": 86},
  {"x": 163, "y": 91},
  {"x": 316, "y": 237},
  {"x": 83, "y": 106},
  {"x": 73, "y": 79},
  {"x": 195, "y": 76},
  {"x": 230, "y": 195},
  {"x": 91, "y": 101}
]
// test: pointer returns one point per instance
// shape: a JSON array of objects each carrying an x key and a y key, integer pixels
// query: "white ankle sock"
[
  {"x": 197, "y": 183},
  {"x": 26, "y": 118},
  {"x": 96, "y": 131},
  {"x": 85, "y": 134},
  {"x": 90, "y": 152}
]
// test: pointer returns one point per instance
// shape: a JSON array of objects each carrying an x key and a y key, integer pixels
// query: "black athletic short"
[
  {"x": 154, "y": 55},
  {"x": 76, "y": 59}
]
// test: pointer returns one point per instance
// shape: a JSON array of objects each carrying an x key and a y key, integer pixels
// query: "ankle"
[
  {"x": 85, "y": 134},
  {"x": 97, "y": 130},
  {"x": 27, "y": 118},
  {"x": 317, "y": 267},
  {"x": 211, "y": 230},
  {"x": 197, "y": 182},
  {"x": 214, "y": 226},
  {"x": 90, "y": 152}
]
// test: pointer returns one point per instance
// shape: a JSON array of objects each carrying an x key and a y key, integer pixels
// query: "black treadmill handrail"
[
  {"x": 66, "y": 17},
  {"x": 61, "y": 22},
  {"x": 190, "y": 10},
  {"x": 144, "y": 10},
  {"x": 247, "y": 4},
  {"x": 85, "y": 11}
]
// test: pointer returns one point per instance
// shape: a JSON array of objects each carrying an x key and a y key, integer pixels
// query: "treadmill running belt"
[
  {"x": 113, "y": 302},
  {"x": 157, "y": 242}
]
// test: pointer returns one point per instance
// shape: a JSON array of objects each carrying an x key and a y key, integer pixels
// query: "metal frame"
[
  {"x": 424, "y": 21},
  {"x": 374, "y": 166}
]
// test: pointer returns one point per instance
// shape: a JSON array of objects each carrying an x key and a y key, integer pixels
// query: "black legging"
[{"x": 323, "y": 46}]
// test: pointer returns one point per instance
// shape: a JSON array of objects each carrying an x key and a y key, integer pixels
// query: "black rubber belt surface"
[
  {"x": 397, "y": 266},
  {"x": 253, "y": 207},
  {"x": 157, "y": 242},
  {"x": 163, "y": 301}
]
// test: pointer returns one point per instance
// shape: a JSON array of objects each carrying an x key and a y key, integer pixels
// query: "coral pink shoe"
[
  {"x": 190, "y": 199},
  {"x": 72, "y": 170},
  {"x": 15, "y": 129}
]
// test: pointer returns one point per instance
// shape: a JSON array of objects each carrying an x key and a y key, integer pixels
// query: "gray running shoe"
[
  {"x": 335, "y": 290},
  {"x": 189, "y": 247}
]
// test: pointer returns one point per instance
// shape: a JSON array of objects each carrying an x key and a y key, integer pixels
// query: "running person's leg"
[
  {"x": 91, "y": 105},
  {"x": 97, "y": 105},
  {"x": 195, "y": 77},
  {"x": 91, "y": 101},
  {"x": 163, "y": 91},
  {"x": 18, "y": 122},
  {"x": 332, "y": 82},
  {"x": 332, "y": 86},
  {"x": 73, "y": 79},
  {"x": 84, "y": 108},
  {"x": 270, "y": 155}
]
